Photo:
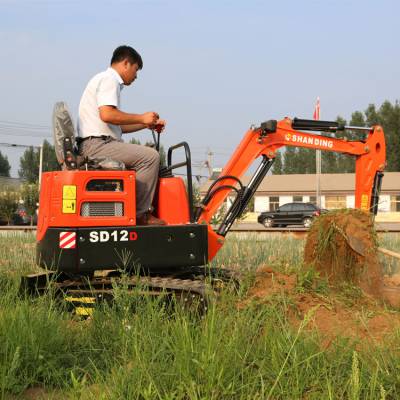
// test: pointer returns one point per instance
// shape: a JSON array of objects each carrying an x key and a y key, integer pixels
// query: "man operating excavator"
[{"x": 101, "y": 124}]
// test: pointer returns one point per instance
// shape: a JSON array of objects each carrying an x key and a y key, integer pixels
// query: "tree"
[
  {"x": 4, "y": 165},
  {"x": 305, "y": 161},
  {"x": 30, "y": 197},
  {"x": 290, "y": 165},
  {"x": 29, "y": 165},
  {"x": 134, "y": 141},
  {"x": 249, "y": 209},
  {"x": 277, "y": 166},
  {"x": 372, "y": 117},
  {"x": 29, "y": 162},
  {"x": 8, "y": 204},
  {"x": 196, "y": 197},
  {"x": 388, "y": 116},
  {"x": 50, "y": 162},
  {"x": 344, "y": 162},
  {"x": 219, "y": 214}
]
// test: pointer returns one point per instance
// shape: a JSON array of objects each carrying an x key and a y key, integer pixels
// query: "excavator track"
[{"x": 192, "y": 286}]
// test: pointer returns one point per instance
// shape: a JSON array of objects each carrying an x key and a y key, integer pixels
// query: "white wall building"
[{"x": 337, "y": 191}]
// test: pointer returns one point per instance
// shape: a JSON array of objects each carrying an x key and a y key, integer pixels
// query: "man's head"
[{"x": 127, "y": 62}]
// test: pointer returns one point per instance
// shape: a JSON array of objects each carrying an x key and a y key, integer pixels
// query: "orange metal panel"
[
  {"x": 172, "y": 202},
  {"x": 215, "y": 242},
  {"x": 51, "y": 199}
]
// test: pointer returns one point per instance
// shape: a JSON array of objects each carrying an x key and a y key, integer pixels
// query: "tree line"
[
  {"x": 294, "y": 160},
  {"x": 29, "y": 163}
]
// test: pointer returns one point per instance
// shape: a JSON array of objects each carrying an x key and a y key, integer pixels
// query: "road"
[
  {"x": 246, "y": 227},
  {"x": 255, "y": 227}
]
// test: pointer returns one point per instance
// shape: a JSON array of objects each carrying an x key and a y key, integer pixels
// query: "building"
[{"x": 337, "y": 191}]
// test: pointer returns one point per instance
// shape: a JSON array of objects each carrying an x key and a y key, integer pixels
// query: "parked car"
[
  {"x": 290, "y": 214},
  {"x": 20, "y": 216}
]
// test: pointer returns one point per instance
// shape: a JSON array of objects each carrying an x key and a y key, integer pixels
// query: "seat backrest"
[
  {"x": 64, "y": 144},
  {"x": 64, "y": 136}
]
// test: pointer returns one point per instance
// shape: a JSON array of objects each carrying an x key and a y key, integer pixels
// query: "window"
[
  {"x": 335, "y": 202},
  {"x": 273, "y": 203},
  {"x": 286, "y": 207},
  {"x": 105, "y": 185},
  {"x": 298, "y": 207},
  {"x": 395, "y": 203},
  {"x": 309, "y": 207},
  {"x": 313, "y": 200},
  {"x": 298, "y": 199}
]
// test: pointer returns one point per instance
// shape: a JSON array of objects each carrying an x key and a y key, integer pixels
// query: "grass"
[{"x": 137, "y": 348}]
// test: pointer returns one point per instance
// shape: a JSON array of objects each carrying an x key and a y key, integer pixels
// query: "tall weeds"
[{"x": 145, "y": 348}]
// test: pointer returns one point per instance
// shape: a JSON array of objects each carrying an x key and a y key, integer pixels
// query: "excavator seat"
[{"x": 66, "y": 147}]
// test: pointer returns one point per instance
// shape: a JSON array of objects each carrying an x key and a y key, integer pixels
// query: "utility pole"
[
  {"x": 209, "y": 162},
  {"x": 318, "y": 173},
  {"x": 316, "y": 116},
  {"x": 40, "y": 164}
]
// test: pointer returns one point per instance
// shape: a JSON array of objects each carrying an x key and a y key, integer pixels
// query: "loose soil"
[
  {"x": 332, "y": 315},
  {"x": 342, "y": 247}
]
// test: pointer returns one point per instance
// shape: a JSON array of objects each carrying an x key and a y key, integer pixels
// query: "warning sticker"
[
  {"x": 69, "y": 207},
  {"x": 69, "y": 192},
  {"x": 67, "y": 240},
  {"x": 365, "y": 202}
]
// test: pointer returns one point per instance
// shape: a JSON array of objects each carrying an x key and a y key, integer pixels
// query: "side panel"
[
  {"x": 172, "y": 201},
  {"x": 99, "y": 248},
  {"x": 63, "y": 208}
]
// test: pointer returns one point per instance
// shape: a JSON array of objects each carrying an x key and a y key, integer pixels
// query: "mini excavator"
[{"x": 87, "y": 219}]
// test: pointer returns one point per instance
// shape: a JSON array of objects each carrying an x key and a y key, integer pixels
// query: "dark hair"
[{"x": 123, "y": 52}]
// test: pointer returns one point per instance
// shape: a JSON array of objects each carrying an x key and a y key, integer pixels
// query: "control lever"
[{"x": 158, "y": 129}]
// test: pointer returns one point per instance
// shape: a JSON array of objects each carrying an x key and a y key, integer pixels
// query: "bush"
[
  {"x": 8, "y": 204},
  {"x": 30, "y": 196}
]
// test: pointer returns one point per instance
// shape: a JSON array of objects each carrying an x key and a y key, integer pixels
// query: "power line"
[
  {"x": 18, "y": 145},
  {"x": 24, "y": 124},
  {"x": 24, "y": 129},
  {"x": 23, "y": 134}
]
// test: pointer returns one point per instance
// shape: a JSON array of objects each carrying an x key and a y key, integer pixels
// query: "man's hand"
[
  {"x": 159, "y": 126},
  {"x": 150, "y": 118},
  {"x": 131, "y": 122}
]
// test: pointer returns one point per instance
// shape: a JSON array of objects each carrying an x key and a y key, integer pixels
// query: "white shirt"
[{"x": 103, "y": 89}]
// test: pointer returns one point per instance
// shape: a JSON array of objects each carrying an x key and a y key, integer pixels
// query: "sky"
[{"x": 211, "y": 68}]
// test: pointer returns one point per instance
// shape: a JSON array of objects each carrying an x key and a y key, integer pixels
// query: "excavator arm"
[{"x": 265, "y": 140}]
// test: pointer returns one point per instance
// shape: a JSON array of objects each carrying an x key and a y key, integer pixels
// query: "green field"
[{"x": 138, "y": 348}]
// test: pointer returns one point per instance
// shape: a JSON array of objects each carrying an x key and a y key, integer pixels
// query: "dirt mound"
[
  {"x": 268, "y": 282},
  {"x": 342, "y": 246},
  {"x": 331, "y": 315}
]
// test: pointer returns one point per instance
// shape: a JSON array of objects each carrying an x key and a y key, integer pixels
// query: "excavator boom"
[{"x": 265, "y": 140}]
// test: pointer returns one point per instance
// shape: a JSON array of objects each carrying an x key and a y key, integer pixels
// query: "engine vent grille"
[{"x": 102, "y": 209}]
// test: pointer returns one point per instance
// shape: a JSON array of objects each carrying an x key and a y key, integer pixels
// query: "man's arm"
[
  {"x": 111, "y": 115},
  {"x": 159, "y": 127},
  {"x": 132, "y": 128}
]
